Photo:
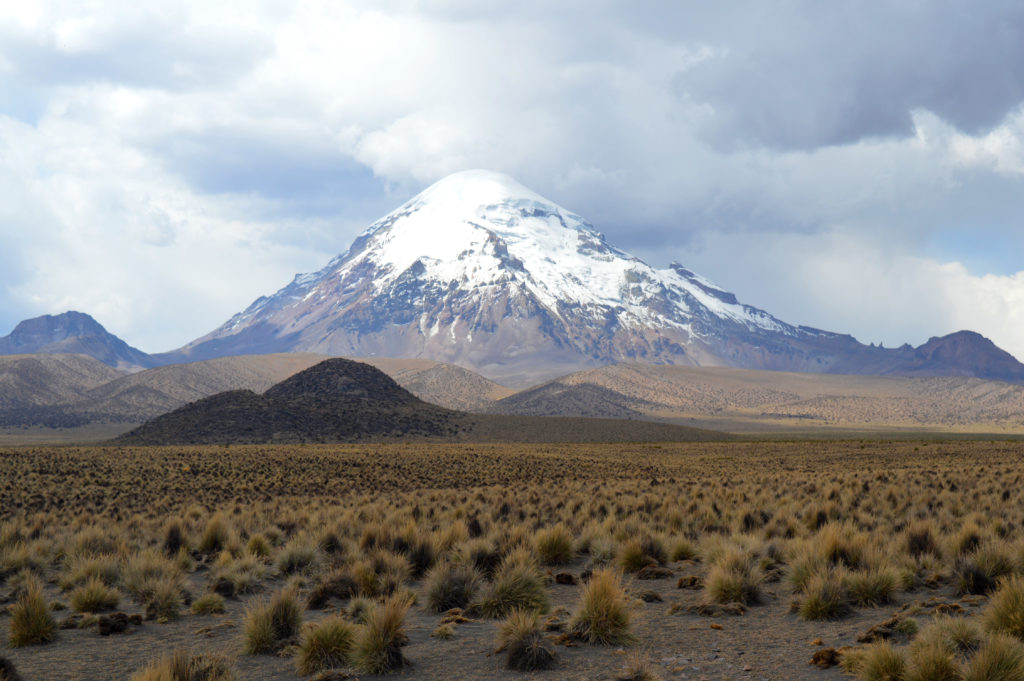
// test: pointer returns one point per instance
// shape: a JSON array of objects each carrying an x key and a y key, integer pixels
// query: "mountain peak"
[
  {"x": 72, "y": 333},
  {"x": 480, "y": 271},
  {"x": 57, "y": 327},
  {"x": 478, "y": 187},
  {"x": 471, "y": 213}
]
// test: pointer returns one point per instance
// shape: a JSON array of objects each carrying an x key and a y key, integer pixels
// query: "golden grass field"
[{"x": 878, "y": 559}]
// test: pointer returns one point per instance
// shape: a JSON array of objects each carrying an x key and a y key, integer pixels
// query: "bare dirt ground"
[{"x": 768, "y": 643}]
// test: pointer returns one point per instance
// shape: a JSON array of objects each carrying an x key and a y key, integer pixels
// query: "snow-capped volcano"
[
  {"x": 480, "y": 271},
  {"x": 483, "y": 231}
]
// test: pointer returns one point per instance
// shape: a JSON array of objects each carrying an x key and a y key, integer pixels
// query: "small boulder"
[
  {"x": 654, "y": 572},
  {"x": 114, "y": 623},
  {"x": 825, "y": 658},
  {"x": 7, "y": 670}
]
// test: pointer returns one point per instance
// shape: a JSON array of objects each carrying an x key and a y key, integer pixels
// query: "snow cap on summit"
[
  {"x": 480, "y": 270},
  {"x": 477, "y": 187}
]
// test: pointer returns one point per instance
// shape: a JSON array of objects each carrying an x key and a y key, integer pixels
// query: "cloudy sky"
[{"x": 856, "y": 166}]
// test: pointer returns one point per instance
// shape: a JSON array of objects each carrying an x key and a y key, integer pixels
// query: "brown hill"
[
  {"x": 336, "y": 400},
  {"x": 106, "y": 396},
  {"x": 339, "y": 400},
  {"x": 738, "y": 399},
  {"x": 445, "y": 384},
  {"x": 34, "y": 380},
  {"x": 141, "y": 396}
]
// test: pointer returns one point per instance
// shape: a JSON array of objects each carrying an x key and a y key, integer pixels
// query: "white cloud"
[
  {"x": 96, "y": 228},
  {"x": 845, "y": 283},
  {"x": 163, "y": 164}
]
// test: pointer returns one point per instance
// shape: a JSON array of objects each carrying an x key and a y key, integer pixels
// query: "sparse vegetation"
[
  {"x": 517, "y": 585},
  {"x": 603, "y": 614},
  {"x": 181, "y": 666},
  {"x": 326, "y": 645},
  {"x": 208, "y": 604},
  {"x": 94, "y": 596},
  {"x": 1005, "y": 613},
  {"x": 378, "y": 646},
  {"x": 496, "y": 534},
  {"x": 521, "y": 638},
  {"x": 825, "y": 597},
  {"x": 734, "y": 578},
  {"x": 450, "y": 586},
  {"x": 31, "y": 621},
  {"x": 270, "y": 625},
  {"x": 881, "y": 662}
]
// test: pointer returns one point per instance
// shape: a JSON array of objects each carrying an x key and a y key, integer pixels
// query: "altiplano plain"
[
  {"x": 738, "y": 560},
  {"x": 439, "y": 340}
]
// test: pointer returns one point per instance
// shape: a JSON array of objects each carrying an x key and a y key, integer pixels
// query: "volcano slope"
[{"x": 339, "y": 400}]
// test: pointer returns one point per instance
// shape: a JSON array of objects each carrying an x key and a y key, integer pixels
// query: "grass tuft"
[
  {"x": 932, "y": 661},
  {"x": 208, "y": 604},
  {"x": 1000, "y": 658},
  {"x": 94, "y": 596},
  {"x": 526, "y": 648},
  {"x": 378, "y": 647},
  {"x": 1005, "y": 612},
  {"x": 734, "y": 578},
  {"x": 31, "y": 621},
  {"x": 979, "y": 571},
  {"x": 638, "y": 668},
  {"x": 957, "y": 635},
  {"x": 636, "y": 554},
  {"x": 825, "y": 597},
  {"x": 269, "y": 626},
  {"x": 554, "y": 545},
  {"x": 451, "y": 586},
  {"x": 326, "y": 645},
  {"x": 517, "y": 585},
  {"x": 872, "y": 588},
  {"x": 297, "y": 556},
  {"x": 165, "y": 603},
  {"x": 881, "y": 662},
  {"x": 217, "y": 534},
  {"x": 603, "y": 615},
  {"x": 181, "y": 666}
]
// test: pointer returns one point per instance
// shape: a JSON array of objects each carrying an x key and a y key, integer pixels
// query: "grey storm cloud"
[{"x": 803, "y": 75}]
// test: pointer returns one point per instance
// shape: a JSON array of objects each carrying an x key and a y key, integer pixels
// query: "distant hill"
[
  {"x": 141, "y": 396},
  {"x": 964, "y": 353},
  {"x": 34, "y": 380},
  {"x": 107, "y": 396},
  {"x": 72, "y": 333},
  {"x": 340, "y": 400},
  {"x": 728, "y": 398},
  {"x": 337, "y": 400},
  {"x": 444, "y": 384}
]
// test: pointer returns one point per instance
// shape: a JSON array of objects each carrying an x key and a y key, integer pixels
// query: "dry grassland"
[{"x": 898, "y": 560}]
